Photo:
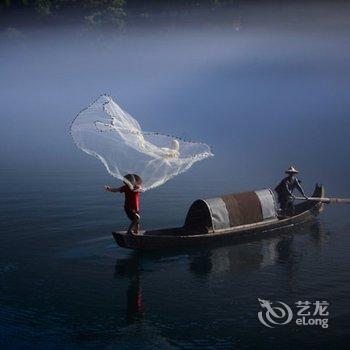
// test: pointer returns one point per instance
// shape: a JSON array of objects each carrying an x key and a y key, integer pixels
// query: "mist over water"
[
  {"x": 243, "y": 92},
  {"x": 265, "y": 92}
]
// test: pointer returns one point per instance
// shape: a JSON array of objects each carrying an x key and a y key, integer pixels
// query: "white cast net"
[{"x": 110, "y": 134}]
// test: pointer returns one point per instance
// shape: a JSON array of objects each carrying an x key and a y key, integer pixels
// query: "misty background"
[{"x": 262, "y": 97}]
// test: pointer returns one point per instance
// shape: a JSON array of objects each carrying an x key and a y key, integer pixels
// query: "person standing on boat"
[
  {"x": 132, "y": 200},
  {"x": 285, "y": 189}
]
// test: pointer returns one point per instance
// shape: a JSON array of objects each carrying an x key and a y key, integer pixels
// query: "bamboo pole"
[{"x": 326, "y": 200}]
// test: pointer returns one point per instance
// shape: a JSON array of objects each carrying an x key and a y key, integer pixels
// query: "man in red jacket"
[{"x": 132, "y": 200}]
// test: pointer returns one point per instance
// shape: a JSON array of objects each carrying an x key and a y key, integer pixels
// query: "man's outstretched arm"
[{"x": 111, "y": 189}]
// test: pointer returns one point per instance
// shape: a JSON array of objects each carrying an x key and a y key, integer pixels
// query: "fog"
[{"x": 261, "y": 94}]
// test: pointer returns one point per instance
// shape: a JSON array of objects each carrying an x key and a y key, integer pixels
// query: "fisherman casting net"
[{"x": 110, "y": 134}]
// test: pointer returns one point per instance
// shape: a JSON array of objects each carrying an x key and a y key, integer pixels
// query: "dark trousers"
[{"x": 286, "y": 205}]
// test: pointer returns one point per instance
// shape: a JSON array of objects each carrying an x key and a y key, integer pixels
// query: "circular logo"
[{"x": 274, "y": 313}]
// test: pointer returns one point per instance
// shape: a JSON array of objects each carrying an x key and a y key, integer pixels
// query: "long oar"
[{"x": 326, "y": 200}]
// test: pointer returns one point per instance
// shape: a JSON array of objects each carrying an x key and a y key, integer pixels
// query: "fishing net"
[{"x": 110, "y": 134}]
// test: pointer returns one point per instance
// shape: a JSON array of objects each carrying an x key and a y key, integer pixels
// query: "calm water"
[
  {"x": 262, "y": 98},
  {"x": 65, "y": 284}
]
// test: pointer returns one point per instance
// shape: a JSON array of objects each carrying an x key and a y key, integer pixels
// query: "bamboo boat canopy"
[{"x": 231, "y": 210}]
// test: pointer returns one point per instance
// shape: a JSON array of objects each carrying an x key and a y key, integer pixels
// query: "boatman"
[
  {"x": 285, "y": 191},
  {"x": 131, "y": 191}
]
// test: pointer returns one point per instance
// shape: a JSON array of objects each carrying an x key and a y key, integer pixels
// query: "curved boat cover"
[{"x": 231, "y": 210}]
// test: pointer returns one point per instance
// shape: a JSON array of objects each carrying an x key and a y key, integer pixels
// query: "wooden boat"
[{"x": 183, "y": 237}]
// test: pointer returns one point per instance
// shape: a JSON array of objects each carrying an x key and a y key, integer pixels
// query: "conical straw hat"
[{"x": 291, "y": 170}]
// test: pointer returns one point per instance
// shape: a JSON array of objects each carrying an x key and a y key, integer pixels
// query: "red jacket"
[{"x": 132, "y": 198}]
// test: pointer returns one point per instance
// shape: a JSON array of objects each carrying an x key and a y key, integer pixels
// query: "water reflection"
[
  {"x": 201, "y": 264},
  {"x": 318, "y": 234},
  {"x": 281, "y": 248},
  {"x": 257, "y": 254},
  {"x": 130, "y": 268}
]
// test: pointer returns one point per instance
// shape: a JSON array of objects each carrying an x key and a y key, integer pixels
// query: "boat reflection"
[
  {"x": 255, "y": 254},
  {"x": 201, "y": 263}
]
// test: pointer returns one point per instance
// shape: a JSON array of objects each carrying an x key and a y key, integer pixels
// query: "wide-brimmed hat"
[{"x": 291, "y": 170}]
